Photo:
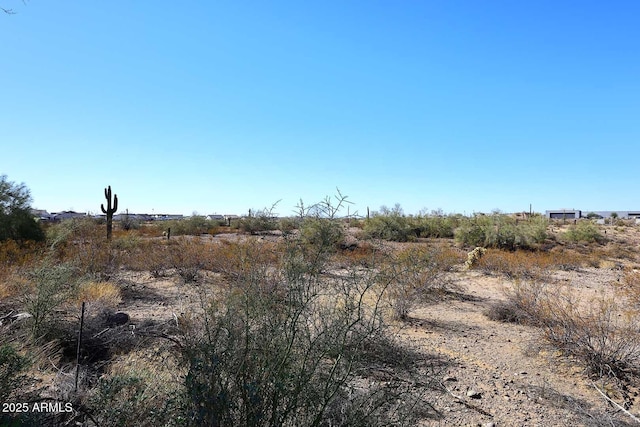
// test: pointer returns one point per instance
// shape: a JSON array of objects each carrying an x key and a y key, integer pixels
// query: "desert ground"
[{"x": 481, "y": 369}]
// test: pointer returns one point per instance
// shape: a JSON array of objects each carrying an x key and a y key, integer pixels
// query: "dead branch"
[
  {"x": 636, "y": 419},
  {"x": 462, "y": 400}
]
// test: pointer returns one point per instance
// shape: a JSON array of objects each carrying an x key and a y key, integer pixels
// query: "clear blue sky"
[{"x": 222, "y": 106}]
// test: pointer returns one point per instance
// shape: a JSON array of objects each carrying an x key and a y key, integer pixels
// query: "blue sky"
[{"x": 222, "y": 106}]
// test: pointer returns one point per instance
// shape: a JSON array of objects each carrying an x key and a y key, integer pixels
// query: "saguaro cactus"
[{"x": 110, "y": 209}]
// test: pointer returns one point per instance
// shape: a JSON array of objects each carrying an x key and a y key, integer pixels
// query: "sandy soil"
[{"x": 519, "y": 382}]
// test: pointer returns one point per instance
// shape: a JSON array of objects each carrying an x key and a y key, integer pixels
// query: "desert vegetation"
[{"x": 308, "y": 320}]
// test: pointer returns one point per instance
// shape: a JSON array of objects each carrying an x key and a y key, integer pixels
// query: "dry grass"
[
  {"x": 104, "y": 293},
  {"x": 527, "y": 264},
  {"x": 599, "y": 332}
]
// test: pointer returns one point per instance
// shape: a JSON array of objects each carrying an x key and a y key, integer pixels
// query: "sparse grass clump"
[{"x": 104, "y": 293}]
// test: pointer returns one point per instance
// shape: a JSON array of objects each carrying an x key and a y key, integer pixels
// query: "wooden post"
[{"x": 79, "y": 344}]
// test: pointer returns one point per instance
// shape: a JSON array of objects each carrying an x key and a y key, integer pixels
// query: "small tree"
[
  {"x": 16, "y": 220},
  {"x": 614, "y": 216}
]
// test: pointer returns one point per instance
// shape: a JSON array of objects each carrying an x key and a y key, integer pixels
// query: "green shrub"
[
  {"x": 130, "y": 400},
  {"x": 12, "y": 365},
  {"x": 502, "y": 232},
  {"x": 193, "y": 226},
  {"x": 16, "y": 221},
  {"x": 392, "y": 227},
  {"x": 288, "y": 225},
  {"x": 49, "y": 285},
  {"x": 322, "y": 233},
  {"x": 258, "y": 221},
  {"x": 436, "y": 226},
  {"x": 584, "y": 231}
]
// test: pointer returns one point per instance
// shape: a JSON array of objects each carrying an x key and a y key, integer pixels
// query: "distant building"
[
  {"x": 59, "y": 216},
  {"x": 163, "y": 217},
  {"x": 576, "y": 214},
  {"x": 564, "y": 214},
  {"x": 41, "y": 214}
]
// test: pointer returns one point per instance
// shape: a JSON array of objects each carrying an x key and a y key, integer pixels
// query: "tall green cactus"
[{"x": 110, "y": 210}]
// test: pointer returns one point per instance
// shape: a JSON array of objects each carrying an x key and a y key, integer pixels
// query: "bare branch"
[{"x": 636, "y": 419}]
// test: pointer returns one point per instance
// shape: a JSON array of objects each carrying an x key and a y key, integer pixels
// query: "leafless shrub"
[
  {"x": 597, "y": 332},
  {"x": 288, "y": 344},
  {"x": 417, "y": 274}
]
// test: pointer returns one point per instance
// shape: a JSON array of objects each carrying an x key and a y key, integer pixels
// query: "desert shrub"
[
  {"x": 258, "y": 221},
  {"x": 46, "y": 288},
  {"x": 363, "y": 254},
  {"x": 150, "y": 255},
  {"x": 141, "y": 388},
  {"x": 325, "y": 233},
  {"x": 288, "y": 225},
  {"x": 437, "y": 226},
  {"x": 607, "y": 342},
  {"x": 188, "y": 256},
  {"x": 286, "y": 354},
  {"x": 13, "y": 253},
  {"x": 584, "y": 231},
  {"x": 507, "y": 312},
  {"x": 417, "y": 274},
  {"x": 82, "y": 242},
  {"x": 596, "y": 332},
  {"x": 16, "y": 220},
  {"x": 12, "y": 368},
  {"x": 13, "y": 257},
  {"x": 501, "y": 231},
  {"x": 192, "y": 226},
  {"x": 356, "y": 223},
  {"x": 130, "y": 223},
  {"x": 287, "y": 345},
  {"x": 132, "y": 399},
  {"x": 392, "y": 226}
]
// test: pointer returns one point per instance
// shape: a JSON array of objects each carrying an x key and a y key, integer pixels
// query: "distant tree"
[
  {"x": 16, "y": 220},
  {"x": 614, "y": 216}
]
